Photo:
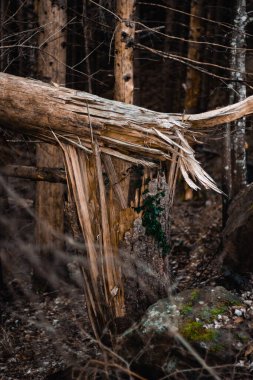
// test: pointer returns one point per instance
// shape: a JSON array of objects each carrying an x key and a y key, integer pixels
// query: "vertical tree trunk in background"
[
  {"x": 238, "y": 93},
  {"x": 3, "y": 196},
  {"x": 193, "y": 77},
  {"x": 121, "y": 220},
  {"x": 143, "y": 265},
  {"x": 234, "y": 177},
  {"x": 168, "y": 64},
  {"x": 2, "y": 19},
  {"x": 51, "y": 68},
  {"x": 86, "y": 44},
  {"x": 124, "y": 37}
]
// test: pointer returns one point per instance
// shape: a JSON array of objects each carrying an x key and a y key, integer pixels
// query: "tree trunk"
[
  {"x": 167, "y": 89},
  {"x": 51, "y": 68},
  {"x": 238, "y": 93},
  {"x": 135, "y": 247},
  {"x": 193, "y": 77},
  {"x": 35, "y": 174},
  {"x": 39, "y": 109},
  {"x": 234, "y": 175}
]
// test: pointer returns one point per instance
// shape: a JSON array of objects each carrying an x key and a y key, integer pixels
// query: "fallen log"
[
  {"x": 55, "y": 175},
  {"x": 57, "y": 114}
]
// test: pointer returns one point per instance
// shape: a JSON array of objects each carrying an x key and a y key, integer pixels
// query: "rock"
[
  {"x": 202, "y": 317},
  {"x": 237, "y": 236}
]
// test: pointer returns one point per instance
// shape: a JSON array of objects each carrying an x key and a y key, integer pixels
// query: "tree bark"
[
  {"x": 51, "y": 68},
  {"x": 35, "y": 174},
  {"x": 49, "y": 202},
  {"x": 193, "y": 77},
  {"x": 36, "y": 109},
  {"x": 234, "y": 154},
  {"x": 238, "y": 93},
  {"x": 124, "y": 38}
]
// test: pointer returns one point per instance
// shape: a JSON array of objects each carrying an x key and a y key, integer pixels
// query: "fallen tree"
[
  {"x": 128, "y": 132},
  {"x": 90, "y": 129}
]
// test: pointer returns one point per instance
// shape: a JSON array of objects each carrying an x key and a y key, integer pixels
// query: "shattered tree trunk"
[
  {"x": 49, "y": 204},
  {"x": 76, "y": 120},
  {"x": 39, "y": 109}
]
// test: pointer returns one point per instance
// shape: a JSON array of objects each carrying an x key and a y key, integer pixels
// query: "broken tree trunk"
[
  {"x": 129, "y": 132},
  {"x": 87, "y": 125},
  {"x": 49, "y": 204}
]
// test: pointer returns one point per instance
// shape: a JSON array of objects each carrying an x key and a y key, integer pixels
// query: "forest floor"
[
  {"x": 41, "y": 334},
  {"x": 45, "y": 333}
]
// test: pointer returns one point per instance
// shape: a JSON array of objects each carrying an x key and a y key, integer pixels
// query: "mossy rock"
[{"x": 190, "y": 314}]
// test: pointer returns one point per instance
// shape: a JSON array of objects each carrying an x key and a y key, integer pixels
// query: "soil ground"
[{"x": 43, "y": 333}]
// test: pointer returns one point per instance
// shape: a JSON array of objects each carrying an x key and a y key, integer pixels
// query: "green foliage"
[{"x": 150, "y": 218}]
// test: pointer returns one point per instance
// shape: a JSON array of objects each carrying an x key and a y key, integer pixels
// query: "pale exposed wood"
[
  {"x": 33, "y": 107},
  {"x": 52, "y": 17},
  {"x": 110, "y": 252},
  {"x": 34, "y": 173},
  {"x": 78, "y": 183},
  {"x": 37, "y": 109},
  {"x": 220, "y": 116}
]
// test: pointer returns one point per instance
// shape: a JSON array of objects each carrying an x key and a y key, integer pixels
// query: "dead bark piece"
[{"x": 35, "y": 174}]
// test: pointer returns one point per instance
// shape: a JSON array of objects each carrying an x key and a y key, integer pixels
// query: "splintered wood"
[{"x": 101, "y": 274}]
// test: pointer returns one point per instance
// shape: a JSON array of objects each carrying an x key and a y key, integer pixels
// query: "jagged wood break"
[{"x": 129, "y": 132}]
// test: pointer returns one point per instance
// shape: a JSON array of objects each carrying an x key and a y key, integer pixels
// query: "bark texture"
[
  {"x": 193, "y": 77},
  {"x": 238, "y": 93},
  {"x": 124, "y": 38},
  {"x": 51, "y": 68},
  {"x": 35, "y": 174},
  {"x": 36, "y": 109},
  {"x": 234, "y": 154}
]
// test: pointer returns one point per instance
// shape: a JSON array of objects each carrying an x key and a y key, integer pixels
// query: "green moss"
[
  {"x": 208, "y": 314},
  {"x": 218, "y": 310},
  {"x": 243, "y": 338},
  {"x": 187, "y": 309},
  {"x": 195, "y": 295},
  {"x": 196, "y": 332},
  {"x": 217, "y": 347}
]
